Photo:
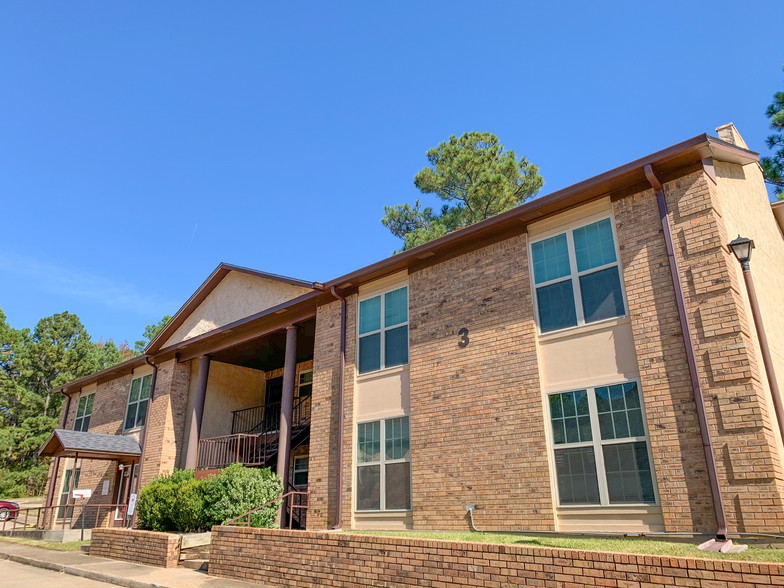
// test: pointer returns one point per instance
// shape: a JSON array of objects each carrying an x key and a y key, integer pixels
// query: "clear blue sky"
[{"x": 142, "y": 143}]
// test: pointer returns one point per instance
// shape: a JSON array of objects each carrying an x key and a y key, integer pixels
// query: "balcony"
[{"x": 254, "y": 438}]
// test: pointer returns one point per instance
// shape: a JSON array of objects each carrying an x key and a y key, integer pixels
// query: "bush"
[
  {"x": 180, "y": 503},
  {"x": 238, "y": 489},
  {"x": 159, "y": 505}
]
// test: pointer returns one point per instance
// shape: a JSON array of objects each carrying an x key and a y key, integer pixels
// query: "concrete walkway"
[{"x": 112, "y": 571}]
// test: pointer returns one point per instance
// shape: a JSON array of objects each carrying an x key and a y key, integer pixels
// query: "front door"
[
  {"x": 274, "y": 391},
  {"x": 126, "y": 477}
]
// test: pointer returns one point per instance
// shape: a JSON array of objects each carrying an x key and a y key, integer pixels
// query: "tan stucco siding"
[
  {"x": 746, "y": 211},
  {"x": 235, "y": 297},
  {"x": 229, "y": 388}
]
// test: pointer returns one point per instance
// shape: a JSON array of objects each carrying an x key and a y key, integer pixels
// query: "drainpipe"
[
  {"x": 339, "y": 518},
  {"x": 144, "y": 433},
  {"x": 707, "y": 445}
]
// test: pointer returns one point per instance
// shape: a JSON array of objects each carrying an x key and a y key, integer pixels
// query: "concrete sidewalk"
[{"x": 112, "y": 571}]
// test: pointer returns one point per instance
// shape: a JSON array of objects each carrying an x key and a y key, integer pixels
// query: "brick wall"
[
  {"x": 300, "y": 559},
  {"x": 749, "y": 469},
  {"x": 323, "y": 464},
  {"x": 166, "y": 419},
  {"x": 477, "y": 426},
  {"x": 146, "y": 547}
]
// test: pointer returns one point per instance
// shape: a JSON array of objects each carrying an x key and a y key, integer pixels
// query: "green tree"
[
  {"x": 773, "y": 165},
  {"x": 475, "y": 176},
  {"x": 150, "y": 332},
  {"x": 32, "y": 365}
]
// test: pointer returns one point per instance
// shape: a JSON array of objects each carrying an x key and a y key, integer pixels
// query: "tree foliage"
[
  {"x": 150, "y": 332},
  {"x": 773, "y": 165},
  {"x": 475, "y": 176},
  {"x": 32, "y": 365}
]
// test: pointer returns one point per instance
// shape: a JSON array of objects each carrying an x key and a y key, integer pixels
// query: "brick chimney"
[{"x": 729, "y": 134}]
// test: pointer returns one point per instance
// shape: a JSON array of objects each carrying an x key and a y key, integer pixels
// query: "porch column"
[
  {"x": 50, "y": 491},
  {"x": 194, "y": 429},
  {"x": 286, "y": 409}
]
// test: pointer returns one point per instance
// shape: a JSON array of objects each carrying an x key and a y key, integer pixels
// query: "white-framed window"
[
  {"x": 138, "y": 399},
  {"x": 70, "y": 483},
  {"x": 383, "y": 331},
  {"x": 384, "y": 465},
  {"x": 84, "y": 411},
  {"x": 600, "y": 446},
  {"x": 300, "y": 472},
  {"x": 577, "y": 277},
  {"x": 305, "y": 384}
]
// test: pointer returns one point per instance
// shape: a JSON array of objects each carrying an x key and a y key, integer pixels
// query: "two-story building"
[{"x": 587, "y": 361}]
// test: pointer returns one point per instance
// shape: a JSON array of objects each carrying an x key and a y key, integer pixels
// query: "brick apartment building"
[{"x": 535, "y": 365}]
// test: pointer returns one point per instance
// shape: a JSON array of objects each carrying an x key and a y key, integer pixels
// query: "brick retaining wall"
[
  {"x": 146, "y": 547},
  {"x": 302, "y": 559}
]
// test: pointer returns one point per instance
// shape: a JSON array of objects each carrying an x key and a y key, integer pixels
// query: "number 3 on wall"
[{"x": 464, "y": 340}]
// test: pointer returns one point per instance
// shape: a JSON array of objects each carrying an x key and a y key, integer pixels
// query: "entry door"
[
  {"x": 126, "y": 475},
  {"x": 273, "y": 395}
]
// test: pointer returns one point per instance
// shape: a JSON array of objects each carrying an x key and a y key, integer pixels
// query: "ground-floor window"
[
  {"x": 600, "y": 446},
  {"x": 70, "y": 482},
  {"x": 384, "y": 465},
  {"x": 300, "y": 474}
]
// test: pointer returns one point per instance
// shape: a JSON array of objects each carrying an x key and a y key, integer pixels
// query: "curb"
[{"x": 74, "y": 571}]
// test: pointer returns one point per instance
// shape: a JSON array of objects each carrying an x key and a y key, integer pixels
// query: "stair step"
[{"x": 196, "y": 564}]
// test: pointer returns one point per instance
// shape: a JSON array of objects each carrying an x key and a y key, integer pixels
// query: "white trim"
[
  {"x": 574, "y": 273},
  {"x": 597, "y": 443},
  {"x": 136, "y": 424},
  {"x": 295, "y": 471}
]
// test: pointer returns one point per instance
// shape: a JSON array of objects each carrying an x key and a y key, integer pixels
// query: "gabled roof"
[
  {"x": 205, "y": 289},
  {"x": 65, "y": 443}
]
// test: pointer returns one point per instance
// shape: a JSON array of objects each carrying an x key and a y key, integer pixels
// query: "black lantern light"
[{"x": 742, "y": 247}]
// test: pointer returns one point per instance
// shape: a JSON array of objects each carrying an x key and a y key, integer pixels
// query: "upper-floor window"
[
  {"x": 384, "y": 465},
  {"x": 305, "y": 384},
  {"x": 84, "y": 411},
  {"x": 138, "y": 399},
  {"x": 577, "y": 277},
  {"x": 383, "y": 331},
  {"x": 600, "y": 446}
]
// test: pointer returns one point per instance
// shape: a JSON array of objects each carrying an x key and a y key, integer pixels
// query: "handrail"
[
  {"x": 265, "y": 418},
  {"x": 46, "y": 517},
  {"x": 236, "y": 522}
]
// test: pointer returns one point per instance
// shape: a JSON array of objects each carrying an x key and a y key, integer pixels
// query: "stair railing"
[{"x": 243, "y": 520}]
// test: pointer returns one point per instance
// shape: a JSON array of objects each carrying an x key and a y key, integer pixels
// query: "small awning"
[{"x": 64, "y": 443}]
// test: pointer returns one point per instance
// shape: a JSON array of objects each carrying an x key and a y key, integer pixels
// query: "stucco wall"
[
  {"x": 746, "y": 211},
  {"x": 229, "y": 388},
  {"x": 237, "y": 296}
]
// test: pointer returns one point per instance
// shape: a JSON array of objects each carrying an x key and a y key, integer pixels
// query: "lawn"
[
  {"x": 619, "y": 545},
  {"x": 68, "y": 546}
]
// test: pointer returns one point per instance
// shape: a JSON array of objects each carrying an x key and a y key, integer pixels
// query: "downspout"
[
  {"x": 707, "y": 445},
  {"x": 144, "y": 433},
  {"x": 341, "y": 375}
]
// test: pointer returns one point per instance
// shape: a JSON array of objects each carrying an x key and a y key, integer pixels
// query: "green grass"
[
  {"x": 620, "y": 545},
  {"x": 68, "y": 546}
]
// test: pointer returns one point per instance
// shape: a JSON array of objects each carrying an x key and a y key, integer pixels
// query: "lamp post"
[{"x": 742, "y": 248}]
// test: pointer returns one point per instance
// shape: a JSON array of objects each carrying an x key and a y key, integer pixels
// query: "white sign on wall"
[
  {"x": 86, "y": 493},
  {"x": 105, "y": 488},
  {"x": 131, "y": 504}
]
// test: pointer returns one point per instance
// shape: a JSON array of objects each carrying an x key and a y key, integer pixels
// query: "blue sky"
[{"x": 145, "y": 142}]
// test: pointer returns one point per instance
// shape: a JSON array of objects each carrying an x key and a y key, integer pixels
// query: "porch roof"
[{"x": 65, "y": 443}]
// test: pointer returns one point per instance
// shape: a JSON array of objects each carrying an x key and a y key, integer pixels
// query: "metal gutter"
[{"x": 688, "y": 341}]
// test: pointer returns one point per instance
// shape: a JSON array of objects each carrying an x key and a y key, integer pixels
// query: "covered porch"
[{"x": 249, "y": 402}]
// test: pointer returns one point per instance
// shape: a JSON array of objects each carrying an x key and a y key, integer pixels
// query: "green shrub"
[
  {"x": 159, "y": 506},
  {"x": 238, "y": 489},
  {"x": 179, "y": 503}
]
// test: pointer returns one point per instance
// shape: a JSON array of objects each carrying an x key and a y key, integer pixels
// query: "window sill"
[
  {"x": 611, "y": 509},
  {"x": 380, "y": 513},
  {"x": 582, "y": 329},
  {"x": 382, "y": 373}
]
